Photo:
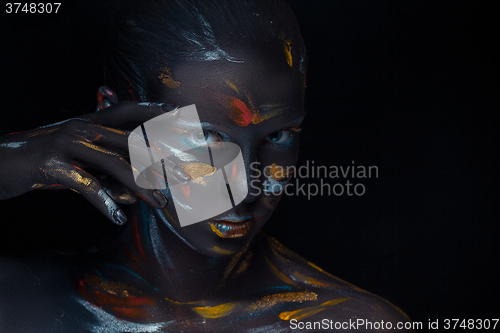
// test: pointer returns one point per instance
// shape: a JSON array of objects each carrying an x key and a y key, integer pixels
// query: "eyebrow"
[{"x": 268, "y": 111}]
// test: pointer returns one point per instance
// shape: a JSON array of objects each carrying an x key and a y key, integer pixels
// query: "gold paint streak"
[
  {"x": 311, "y": 310},
  {"x": 272, "y": 114},
  {"x": 200, "y": 303},
  {"x": 244, "y": 265},
  {"x": 256, "y": 119},
  {"x": 97, "y": 148},
  {"x": 167, "y": 79},
  {"x": 217, "y": 231},
  {"x": 234, "y": 261},
  {"x": 313, "y": 282},
  {"x": 217, "y": 311},
  {"x": 197, "y": 170},
  {"x": 272, "y": 300},
  {"x": 127, "y": 197},
  {"x": 222, "y": 251},
  {"x": 288, "y": 53},
  {"x": 278, "y": 274},
  {"x": 37, "y": 186},
  {"x": 169, "y": 216},
  {"x": 232, "y": 86},
  {"x": 114, "y": 288},
  {"x": 43, "y": 131},
  {"x": 277, "y": 172},
  {"x": 114, "y": 130},
  {"x": 78, "y": 178}
]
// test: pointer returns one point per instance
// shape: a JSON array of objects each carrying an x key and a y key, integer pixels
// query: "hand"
[{"x": 59, "y": 156}]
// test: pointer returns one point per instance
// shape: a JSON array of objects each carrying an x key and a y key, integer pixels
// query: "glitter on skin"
[
  {"x": 107, "y": 323},
  {"x": 167, "y": 79},
  {"x": 272, "y": 300},
  {"x": 311, "y": 310}
]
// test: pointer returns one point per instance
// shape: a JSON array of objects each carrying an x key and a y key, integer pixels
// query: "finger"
[
  {"x": 108, "y": 94},
  {"x": 118, "y": 192},
  {"x": 87, "y": 185},
  {"x": 128, "y": 111},
  {"x": 103, "y": 136},
  {"x": 117, "y": 167}
]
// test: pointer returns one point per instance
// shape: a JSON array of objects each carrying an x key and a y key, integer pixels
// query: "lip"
[{"x": 229, "y": 227}]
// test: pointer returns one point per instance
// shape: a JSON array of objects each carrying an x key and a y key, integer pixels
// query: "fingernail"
[
  {"x": 160, "y": 199},
  {"x": 181, "y": 174},
  {"x": 119, "y": 217},
  {"x": 108, "y": 91},
  {"x": 167, "y": 107}
]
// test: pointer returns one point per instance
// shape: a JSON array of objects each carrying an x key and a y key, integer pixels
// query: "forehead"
[{"x": 245, "y": 93}]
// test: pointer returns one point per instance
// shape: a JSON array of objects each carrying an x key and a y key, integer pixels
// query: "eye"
[
  {"x": 279, "y": 137},
  {"x": 203, "y": 137}
]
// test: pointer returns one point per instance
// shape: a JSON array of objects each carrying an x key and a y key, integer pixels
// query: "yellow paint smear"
[
  {"x": 222, "y": 251},
  {"x": 288, "y": 53},
  {"x": 77, "y": 178},
  {"x": 217, "y": 231},
  {"x": 313, "y": 282},
  {"x": 97, "y": 148},
  {"x": 218, "y": 311},
  {"x": 167, "y": 79},
  {"x": 186, "y": 303},
  {"x": 279, "y": 274},
  {"x": 311, "y": 310},
  {"x": 232, "y": 86},
  {"x": 44, "y": 131}
]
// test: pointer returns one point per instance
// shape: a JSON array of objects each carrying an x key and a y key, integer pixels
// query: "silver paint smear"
[
  {"x": 108, "y": 323},
  {"x": 13, "y": 145}
]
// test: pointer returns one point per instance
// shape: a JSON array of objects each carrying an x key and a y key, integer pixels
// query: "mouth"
[{"x": 232, "y": 226}]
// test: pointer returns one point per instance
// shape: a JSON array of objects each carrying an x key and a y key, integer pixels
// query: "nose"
[
  {"x": 242, "y": 177},
  {"x": 252, "y": 173}
]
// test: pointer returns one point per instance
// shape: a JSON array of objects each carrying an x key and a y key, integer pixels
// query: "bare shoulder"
[{"x": 337, "y": 301}]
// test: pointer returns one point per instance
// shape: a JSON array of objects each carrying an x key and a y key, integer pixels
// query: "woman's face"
[{"x": 258, "y": 105}]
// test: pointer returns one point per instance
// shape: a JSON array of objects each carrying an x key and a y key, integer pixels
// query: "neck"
[{"x": 163, "y": 259}]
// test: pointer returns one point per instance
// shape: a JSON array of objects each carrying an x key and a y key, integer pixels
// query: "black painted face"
[{"x": 258, "y": 105}]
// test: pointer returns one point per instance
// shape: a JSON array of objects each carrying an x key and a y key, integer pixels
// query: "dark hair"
[{"x": 149, "y": 37}]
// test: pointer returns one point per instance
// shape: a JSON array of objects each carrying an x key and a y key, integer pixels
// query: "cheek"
[{"x": 275, "y": 178}]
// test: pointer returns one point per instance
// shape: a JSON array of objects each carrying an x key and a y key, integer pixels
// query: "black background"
[{"x": 407, "y": 86}]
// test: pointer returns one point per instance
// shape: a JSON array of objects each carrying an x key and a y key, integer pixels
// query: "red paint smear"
[
  {"x": 134, "y": 261},
  {"x": 186, "y": 190},
  {"x": 244, "y": 115},
  {"x": 130, "y": 312},
  {"x": 100, "y": 100},
  {"x": 233, "y": 176}
]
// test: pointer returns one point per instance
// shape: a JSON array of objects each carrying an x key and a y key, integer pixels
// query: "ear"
[{"x": 106, "y": 97}]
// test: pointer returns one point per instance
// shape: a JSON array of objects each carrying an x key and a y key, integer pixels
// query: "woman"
[{"x": 243, "y": 64}]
